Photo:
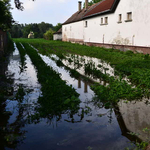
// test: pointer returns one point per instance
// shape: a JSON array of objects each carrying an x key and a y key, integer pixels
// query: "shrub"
[{"x": 49, "y": 34}]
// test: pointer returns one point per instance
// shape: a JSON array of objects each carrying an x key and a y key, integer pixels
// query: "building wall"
[
  {"x": 57, "y": 36},
  {"x": 135, "y": 32},
  {"x": 73, "y": 32}
]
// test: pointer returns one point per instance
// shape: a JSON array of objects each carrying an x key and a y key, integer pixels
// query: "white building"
[
  {"x": 122, "y": 24},
  {"x": 58, "y": 35}
]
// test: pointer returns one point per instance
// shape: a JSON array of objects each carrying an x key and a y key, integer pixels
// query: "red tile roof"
[
  {"x": 78, "y": 15},
  {"x": 105, "y": 6},
  {"x": 101, "y": 7}
]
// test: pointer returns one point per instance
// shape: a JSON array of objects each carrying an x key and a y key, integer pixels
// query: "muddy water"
[{"x": 97, "y": 128}]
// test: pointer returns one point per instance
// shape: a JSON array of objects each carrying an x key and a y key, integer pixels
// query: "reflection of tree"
[
  {"x": 10, "y": 133},
  {"x": 53, "y": 109}
]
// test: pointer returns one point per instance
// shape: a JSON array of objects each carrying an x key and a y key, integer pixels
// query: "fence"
[{"x": 3, "y": 41}]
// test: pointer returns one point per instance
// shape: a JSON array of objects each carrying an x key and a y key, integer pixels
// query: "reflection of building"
[
  {"x": 85, "y": 85},
  {"x": 135, "y": 116}
]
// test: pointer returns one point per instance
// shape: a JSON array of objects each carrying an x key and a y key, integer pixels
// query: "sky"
[{"x": 48, "y": 11}]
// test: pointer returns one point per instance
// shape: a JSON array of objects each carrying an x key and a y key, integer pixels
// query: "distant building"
[
  {"x": 58, "y": 35},
  {"x": 31, "y": 35},
  {"x": 121, "y": 24}
]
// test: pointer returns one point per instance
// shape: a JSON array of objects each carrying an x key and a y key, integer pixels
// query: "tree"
[
  {"x": 49, "y": 34},
  {"x": 26, "y": 30},
  {"x": 57, "y": 27},
  {"x": 43, "y": 27},
  {"x": 6, "y": 19},
  {"x": 92, "y": 2},
  {"x": 16, "y": 31},
  {"x": 18, "y": 4}
]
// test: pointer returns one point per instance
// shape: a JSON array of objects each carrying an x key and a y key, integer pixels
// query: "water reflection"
[
  {"x": 14, "y": 107},
  {"x": 37, "y": 122},
  {"x": 94, "y": 119},
  {"x": 86, "y": 66},
  {"x": 136, "y": 118}
]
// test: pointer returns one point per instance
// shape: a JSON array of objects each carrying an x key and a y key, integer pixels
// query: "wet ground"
[{"x": 97, "y": 128}]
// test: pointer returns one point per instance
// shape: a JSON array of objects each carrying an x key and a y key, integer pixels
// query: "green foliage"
[
  {"x": 57, "y": 27},
  {"x": 92, "y": 2},
  {"x": 20, "y": 94},
  {"x": 5, "y": 15},
  {"x": 22, "y": 30},
  {"x": 49, "y": 34}
]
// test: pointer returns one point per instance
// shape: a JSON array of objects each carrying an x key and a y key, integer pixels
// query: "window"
[
  {"x": 86, "y": 24},
  {"x": 101, "y": 20},
  {"x": 106, "y": 20},
  {"x": 120, "y": 18},
  {"x": 129, "y": 16}
]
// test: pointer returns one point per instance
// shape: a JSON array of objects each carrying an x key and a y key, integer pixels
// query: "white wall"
[
  {"x": 57, "y": 36},
  {"x": 136, "y": 32},
  {"x": 73, "y": 31}
]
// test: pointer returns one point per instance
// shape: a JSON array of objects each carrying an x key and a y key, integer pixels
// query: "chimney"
[
  {"x": 79, "y": 6},
  {"x": 86, "y": 4}
]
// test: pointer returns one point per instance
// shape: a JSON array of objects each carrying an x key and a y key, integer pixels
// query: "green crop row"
[
  {"x": 134, "y": 66},
  {"x": 57, "y": 97}
]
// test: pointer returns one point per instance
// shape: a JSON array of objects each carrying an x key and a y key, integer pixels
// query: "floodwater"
[{"x": 97, "y": 128}]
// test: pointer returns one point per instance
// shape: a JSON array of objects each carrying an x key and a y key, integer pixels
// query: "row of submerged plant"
[
  {"x": 125, "y": 64},
  {"x": 135, "y": 66}
]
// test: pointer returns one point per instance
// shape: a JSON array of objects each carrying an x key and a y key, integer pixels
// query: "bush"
[{"x": 49, "y": 34}]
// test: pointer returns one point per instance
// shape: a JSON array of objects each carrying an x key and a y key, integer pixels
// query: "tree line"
[{"x": 39, "y": 29}]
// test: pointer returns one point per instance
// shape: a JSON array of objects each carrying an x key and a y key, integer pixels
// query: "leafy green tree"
[
  {"x": 43, "y": 27},
  {"x": 26, "y": 30},
  {"x": 92, "y": 2},
  {"x": 20, "y": 30},
  {"x": 6, "y": 19},
  {"x": 57, "y": 27},
  {"x": 16, "y": 30},
  {"x": 49, "y": 34}
]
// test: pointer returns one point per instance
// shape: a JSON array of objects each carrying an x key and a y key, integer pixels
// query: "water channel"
[{"x": 97, "y": 128}]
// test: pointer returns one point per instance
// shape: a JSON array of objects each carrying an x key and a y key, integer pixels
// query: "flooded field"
[{"x": 89, "y": 125}]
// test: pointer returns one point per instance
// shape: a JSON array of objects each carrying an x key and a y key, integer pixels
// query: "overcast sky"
[{"x": 48, "y": 11}]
